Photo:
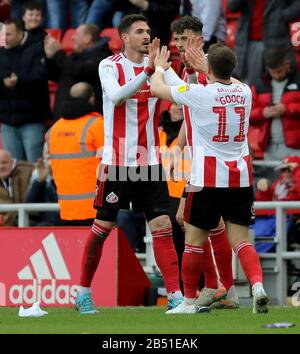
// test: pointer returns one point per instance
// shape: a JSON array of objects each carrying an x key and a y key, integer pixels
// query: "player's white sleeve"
[
  {"x": 189, "y": 95},
  {"x": 108, "y": 74},
  {"x": 172, "y": 79}
]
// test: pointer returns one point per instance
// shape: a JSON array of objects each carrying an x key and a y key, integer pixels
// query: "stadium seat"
[
  {"x": 54, "y": 32},
  {"x": 67, "y": 42},
  {"x": 115, "y": 43},
  {"x": 231, "y": 31}
]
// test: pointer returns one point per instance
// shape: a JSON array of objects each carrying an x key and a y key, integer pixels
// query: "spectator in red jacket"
[
  {"x": 276, "y": 107},
  {"x": 286, "y": 186}
]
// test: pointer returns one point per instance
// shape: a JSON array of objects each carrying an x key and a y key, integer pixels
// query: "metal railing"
[
  {"x": 25, "y": 209},
  {"x": 281, "y": 255},
  {"x": 265, "y": 163}
]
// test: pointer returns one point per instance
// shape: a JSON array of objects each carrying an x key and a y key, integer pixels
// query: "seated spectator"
[
  {"x": 24, "y": 94},
  {"x": 276, "y": 108},
  {"x": 32, "y": 17},
  {"x": 82, "y": 65},
  {"x": 73, "y": 142},
  {"x": 42, "y": 189},
  {"x": 14, "y": 181},
  {"x": 286, "y": 186}
]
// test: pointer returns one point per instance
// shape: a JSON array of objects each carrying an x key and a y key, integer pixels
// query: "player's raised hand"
[
  {"x": 196, "y": 59},
  {"x": 162, "y": 57},
  {"x": 153, "y": 46},
  {"x": 195, "y": 42}
]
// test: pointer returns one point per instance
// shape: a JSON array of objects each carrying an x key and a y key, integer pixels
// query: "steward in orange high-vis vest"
[
  {"x": 73, "y": 143},
  {"x": 171, "y": 120},
  {"x": 182, "y": 168}
]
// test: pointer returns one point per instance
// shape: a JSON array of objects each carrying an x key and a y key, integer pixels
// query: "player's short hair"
[
  {"x": 274, "y": 57},
  {"x": 93, "y": 30},
  {"x": 17, "y": 22},
  {"x": 128, "y": 20},
  {"x": 221, "y": 60},
  {"x": 187, "y": 23},
  {"x": 32, "y": 5}
]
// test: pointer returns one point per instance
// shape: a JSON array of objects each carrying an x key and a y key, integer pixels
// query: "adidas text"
[{"x": 47, "y": 292}]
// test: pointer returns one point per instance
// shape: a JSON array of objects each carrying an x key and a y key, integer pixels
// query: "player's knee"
[{"x": 160, "y": 222}]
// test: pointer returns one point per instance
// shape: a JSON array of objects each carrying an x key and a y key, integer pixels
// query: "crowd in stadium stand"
[{"x": 52, "y": 45}]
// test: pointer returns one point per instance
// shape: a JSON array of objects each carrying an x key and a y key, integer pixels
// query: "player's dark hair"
[
  {"x": 274, "y": 57},
  {"x": 32, "y": 5},
  {"x": 221, "y": 60},
  {"x": 128, "y": 20},
  {"x": 187, "y": 23}
]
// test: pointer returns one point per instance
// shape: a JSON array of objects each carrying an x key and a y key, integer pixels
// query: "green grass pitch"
[{"x": 149, "y": 320}]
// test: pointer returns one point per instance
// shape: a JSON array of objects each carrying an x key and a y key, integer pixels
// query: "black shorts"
[
  {"x": 204, "y": 209},
  {"x": 144, "y": 186}
]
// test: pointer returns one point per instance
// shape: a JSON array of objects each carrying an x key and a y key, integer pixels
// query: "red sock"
[
  {"x": 209, "y": 269},
  {"x": 249, "y": 261},
  {"x": 166, "y": 258},
  {"x": 223, "y": 255},
  {"x": 192, "y": 263},
  {"x": 92, "y": 254}
]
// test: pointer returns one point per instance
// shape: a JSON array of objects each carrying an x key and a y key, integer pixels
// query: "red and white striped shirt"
[
  {"x": 199, "y": 78},
  {"x": 131, "y": 113},
  {"x": 219, "y": 120}
]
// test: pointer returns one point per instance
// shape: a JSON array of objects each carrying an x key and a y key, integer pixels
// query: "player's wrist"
[
  {"x": 159, "y": 69},
  {"x": 149, "y": 70}
]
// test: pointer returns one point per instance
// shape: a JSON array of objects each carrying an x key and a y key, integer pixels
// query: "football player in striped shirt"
[
  {"x": 184, "y": 30},
  {"x": 221, "y": 176},
  {"x": 131, "y": 165}
]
